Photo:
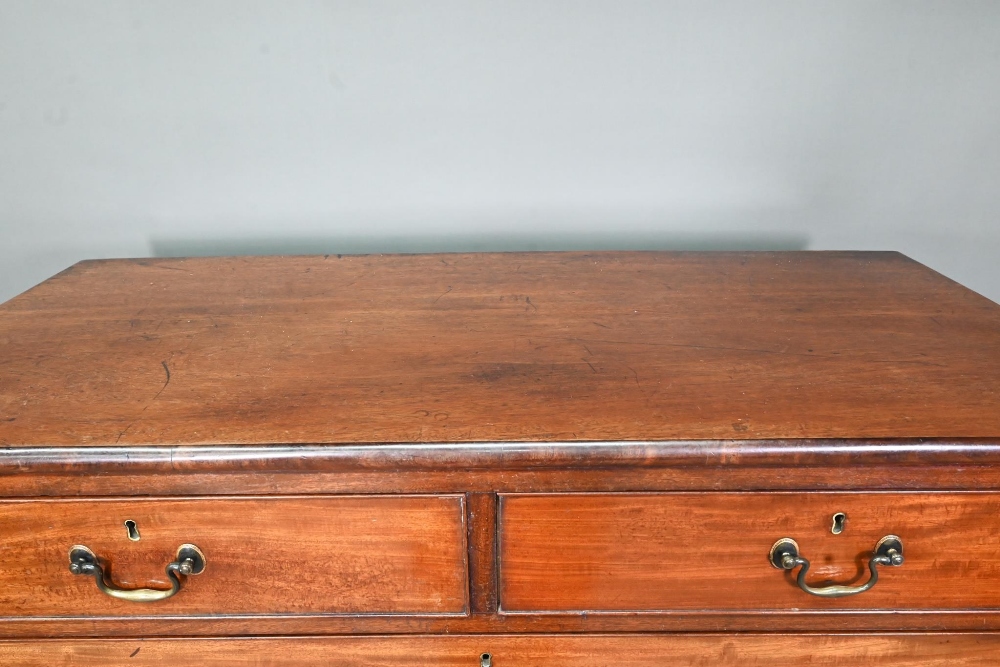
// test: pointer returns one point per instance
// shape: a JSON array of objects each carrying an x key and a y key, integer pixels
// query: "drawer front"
[
  {"x": 966, "y": 650},
  {"x": 276, "y": 555},
  {"x": 710, "y": 551}
]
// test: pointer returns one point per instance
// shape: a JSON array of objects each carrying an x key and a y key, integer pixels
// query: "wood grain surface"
[
  {"x": 482, "y": 525},
  {"x": 351, "y": 554},
  {"x": 709, "y": 551},
  {"x": 916, "y": 650},
  {"x": 497, "y": 347},
  {"x": 458, "y": 480}
]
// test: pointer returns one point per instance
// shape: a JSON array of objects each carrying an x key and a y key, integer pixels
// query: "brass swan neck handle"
[
  {"x": 190, "y": 560},
  {"x": 888, "y": 552}
]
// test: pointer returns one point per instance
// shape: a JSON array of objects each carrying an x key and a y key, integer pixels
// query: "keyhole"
[
  {"x": 839, "y": 519},
  {"x": 486, "y": 660},
  {"x": 133, "y": 530}
]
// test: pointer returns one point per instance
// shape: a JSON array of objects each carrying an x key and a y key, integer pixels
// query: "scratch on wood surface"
[
  {"x": 125, "y": 430},
  {"x": 442, "y": 294},
  {"x": 636, "y": 374}
]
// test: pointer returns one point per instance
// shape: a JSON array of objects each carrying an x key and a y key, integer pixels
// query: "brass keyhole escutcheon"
[
  {"x": 133, "y": 530},
  {"x": 839, "y": 520}
]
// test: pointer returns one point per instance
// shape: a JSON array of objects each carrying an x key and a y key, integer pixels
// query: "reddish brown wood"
[
  {"x": 482, "y": 522},
  {"x": 507, "y": 467},
  {"x": 491, "y": 456},
  {"x": 348, "y": 554},
  {"x": 928, "y": 650},
  {"x": 487, "y": 347},
  {"x": 469, "y": 375},
  {"x": 976, "y": 620},
  {"x": 709, "y": 551},
  {"x": 884, "y": 477}
]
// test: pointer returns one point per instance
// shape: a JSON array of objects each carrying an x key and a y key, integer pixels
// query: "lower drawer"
[
  {"x": 662, "y": 552},
  {"x": 931, "y": 650},
  {"x": 269, "y": 555}
]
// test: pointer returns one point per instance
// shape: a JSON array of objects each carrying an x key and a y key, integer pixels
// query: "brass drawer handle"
[
  {"x": 785, "y": 556},
  {"x": 190, "y": 560}
]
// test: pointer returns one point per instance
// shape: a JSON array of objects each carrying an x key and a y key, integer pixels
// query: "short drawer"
[
  {"x": 263, "y": 555},
  {"x": 712, "y": 551}
]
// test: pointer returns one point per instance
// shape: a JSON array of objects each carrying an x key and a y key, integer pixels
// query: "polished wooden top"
[{"x": 492, "y": 347}]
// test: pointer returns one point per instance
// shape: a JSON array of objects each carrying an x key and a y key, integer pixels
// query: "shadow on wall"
[{"x": 349, "y": 245}]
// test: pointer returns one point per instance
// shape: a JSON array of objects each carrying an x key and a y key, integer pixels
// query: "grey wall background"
[{"x": 136, "y": 128}]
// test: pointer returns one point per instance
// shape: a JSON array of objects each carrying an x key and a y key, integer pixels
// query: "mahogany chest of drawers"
[{"x": 526, "y": 459}]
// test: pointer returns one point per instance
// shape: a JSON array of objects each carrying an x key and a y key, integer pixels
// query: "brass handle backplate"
[
  {"x": 888, "y": 552},
  {"x": 190, "y": 560}
]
